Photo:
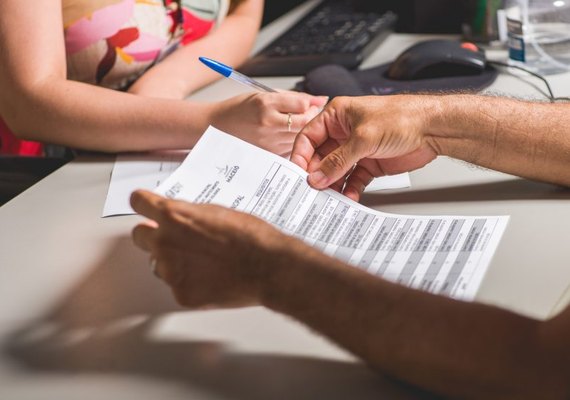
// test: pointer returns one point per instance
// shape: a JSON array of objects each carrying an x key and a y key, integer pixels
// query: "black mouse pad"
[{"x": 334, "y": 80}]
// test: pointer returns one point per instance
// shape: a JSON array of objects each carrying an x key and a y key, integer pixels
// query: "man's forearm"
[
  {"x": 527, "y": 139},
  {"x": 449, "y": 347}
]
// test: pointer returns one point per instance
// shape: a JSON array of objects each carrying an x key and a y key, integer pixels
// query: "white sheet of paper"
[
  {"x": 138, "y": 171},
  {"x": 445, "y": 255},
  {"x": 399, "y": 181},
  {"x": 148, "y": 170}
]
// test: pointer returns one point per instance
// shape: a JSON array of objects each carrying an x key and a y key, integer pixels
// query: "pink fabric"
[
  {"x": 145, "y": 48},
  {"x": 116, "y": 43},
  {"x": 102, "y": 49},
  {"x": 101, "y": 24}
]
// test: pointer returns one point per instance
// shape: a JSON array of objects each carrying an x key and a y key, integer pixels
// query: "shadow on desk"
[
  {"x": 104, "y": 327},
  {"x": 512, "y": 189}
]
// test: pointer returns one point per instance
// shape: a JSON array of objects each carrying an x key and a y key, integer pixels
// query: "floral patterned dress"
[{"x": 111, "y": 43}]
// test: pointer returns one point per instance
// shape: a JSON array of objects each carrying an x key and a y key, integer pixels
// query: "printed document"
[
  {"x": 138, "y": 171},
  {"x": 149, "y": 170},
  {"x": 447, "y": 255}
]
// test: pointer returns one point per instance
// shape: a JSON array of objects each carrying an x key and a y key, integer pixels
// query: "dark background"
[{"x": 417, "y": 16}]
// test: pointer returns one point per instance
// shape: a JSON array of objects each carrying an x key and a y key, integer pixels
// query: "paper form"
[
  {"x": 138, "y": 171},
  {"x": 445, "y": 255},
  {"x": 148, "y": 170}
]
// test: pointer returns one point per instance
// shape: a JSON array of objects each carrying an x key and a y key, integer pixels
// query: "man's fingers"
[
  {"x": 321, "y": 152},
  {"x": 170, "y": 267},
  {"x": 144, "y": 236},
  {"x": 408, "y": 162},
  {"x": 311, "y": 136},
  {"x": 161, "y": 209},
  {"x": 148, "y": 204},
  {"x": 357, "y": 182},
  {"x": 303, "y": 151},
  {"x": 336, "y": 164}
]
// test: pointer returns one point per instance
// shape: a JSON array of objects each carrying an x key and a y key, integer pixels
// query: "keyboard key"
[{"x": 332, "y": 32}]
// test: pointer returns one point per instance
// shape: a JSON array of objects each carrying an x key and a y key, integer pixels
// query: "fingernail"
[
  {"x": 318, "y": 179},
  {"x": 325, "y": 98}
]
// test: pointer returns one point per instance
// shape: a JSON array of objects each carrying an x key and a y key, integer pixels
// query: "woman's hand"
[
  {"x": 208, "y": 255},
  {"x": 268, "y": 120}
]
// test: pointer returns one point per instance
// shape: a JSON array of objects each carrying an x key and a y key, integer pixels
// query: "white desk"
[{"x": 82, "y": 317}]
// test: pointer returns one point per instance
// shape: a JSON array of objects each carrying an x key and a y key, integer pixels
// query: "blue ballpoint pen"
[{"x": 229, "y": 72}]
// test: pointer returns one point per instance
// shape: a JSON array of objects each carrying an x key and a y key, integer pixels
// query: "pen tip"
[{"x": 216, "y": 66}]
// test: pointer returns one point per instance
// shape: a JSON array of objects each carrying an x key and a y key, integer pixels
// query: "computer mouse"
[
  {"x": 331, "y": 80},
  {"x": 438, "y": 59}
]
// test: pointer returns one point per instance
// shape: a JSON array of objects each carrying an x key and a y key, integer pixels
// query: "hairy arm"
[
  {"x": 211, "y": 255},
  {"x": 527, "y": 139},
  {"x": 180, "y": 73},
  {"x": 452, "y": 348},
  {"x": 394, "y": 134}
]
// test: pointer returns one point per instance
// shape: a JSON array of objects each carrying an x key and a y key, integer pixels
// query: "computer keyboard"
[{"x": 334, "y": 32}]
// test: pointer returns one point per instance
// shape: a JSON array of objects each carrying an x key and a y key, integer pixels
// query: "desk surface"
[{"x": 82, "y": 317}]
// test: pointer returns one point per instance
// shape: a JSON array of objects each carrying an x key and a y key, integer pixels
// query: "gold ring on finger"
[
  {"x": 153, "y": 265},
  {"x": 289, "y": 122}
]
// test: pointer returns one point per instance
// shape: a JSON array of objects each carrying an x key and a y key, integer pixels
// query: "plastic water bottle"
[{"x": 539, "y": 34}]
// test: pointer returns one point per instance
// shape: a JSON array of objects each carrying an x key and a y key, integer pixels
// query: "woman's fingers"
[
  {"x": 297, "y": 103},
  {"x": 293, "y": 122}
]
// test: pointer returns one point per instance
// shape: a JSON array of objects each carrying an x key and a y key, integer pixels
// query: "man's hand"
[
  {"x": 208, "y": 255},
  {"x": 357, "y": 139}
]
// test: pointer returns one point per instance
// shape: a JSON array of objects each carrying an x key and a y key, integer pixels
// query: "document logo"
[
  {"x": 223, "y": 170},
  {"x": 228, "y": 172}
]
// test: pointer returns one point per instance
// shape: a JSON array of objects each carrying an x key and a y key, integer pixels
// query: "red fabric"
[
  {"x": 194, "y": 27},
  {"x": 11, "y": 145},
  {"x": 124, "y": 37}
]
